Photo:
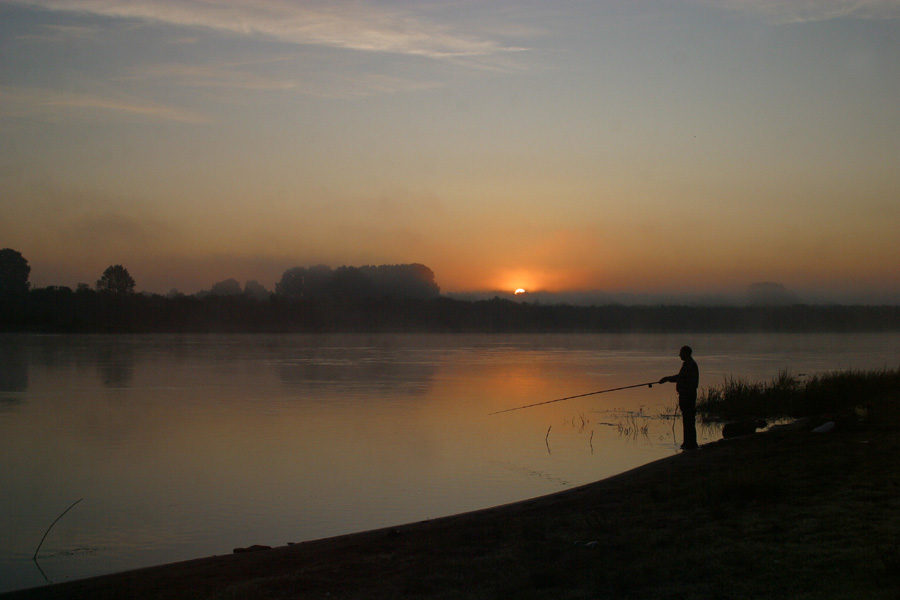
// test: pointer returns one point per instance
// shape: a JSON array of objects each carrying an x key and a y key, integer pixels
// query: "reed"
[
  {"x": 794, "y": 396},
  {"x": 635, "y": 424},
  {"x": 36, "y": 550}
]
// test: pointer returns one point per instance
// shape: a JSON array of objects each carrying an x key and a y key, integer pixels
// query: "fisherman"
[{"x": 686, "y": 382}]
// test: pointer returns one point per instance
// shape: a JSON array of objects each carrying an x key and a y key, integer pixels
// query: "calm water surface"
[{"x": 187, "y": 446}]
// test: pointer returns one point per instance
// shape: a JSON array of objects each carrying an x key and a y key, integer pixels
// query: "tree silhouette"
[
  {"x": 255, "y": 289},
  {"x": 116, "y": 280},
  {"x": 357, "y": 283},
  {"x": 403, "y": 281},
  {"x": 14, "y": 271},
  {"x": 350, "y": 283},
  {"x": 229, "y": 287},
  {"x": 306, "y": 283}
]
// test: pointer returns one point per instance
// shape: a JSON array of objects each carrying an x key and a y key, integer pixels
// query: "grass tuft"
[{"x": 835, "y": 393}]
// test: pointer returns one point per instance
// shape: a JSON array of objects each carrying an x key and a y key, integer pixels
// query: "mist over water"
[{"x": 187, "y": 446}]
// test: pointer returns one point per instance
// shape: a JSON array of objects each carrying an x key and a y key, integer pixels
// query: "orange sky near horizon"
[{"x": 652, "y": 147}]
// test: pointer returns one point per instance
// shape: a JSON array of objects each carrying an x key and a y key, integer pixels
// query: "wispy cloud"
[
  {"x": 310, "y": 82},
  {"x": 138, "y": 108},
  {"x": 349, "y": 25},
  {"x": 51, "y": 104},
  {"x": 213, "y": 76},
  {"x": 61, "y": 33},
  {"x": 801, "y": 11}
]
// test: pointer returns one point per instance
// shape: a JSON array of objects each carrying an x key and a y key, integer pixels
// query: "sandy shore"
[{"x": 788, "y": 514}]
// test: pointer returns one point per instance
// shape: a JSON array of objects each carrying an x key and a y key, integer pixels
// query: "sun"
[{"x": 519, "y": 292}]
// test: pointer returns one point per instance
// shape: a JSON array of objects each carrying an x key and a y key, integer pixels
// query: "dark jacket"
[{"x": 688, "y": 379}]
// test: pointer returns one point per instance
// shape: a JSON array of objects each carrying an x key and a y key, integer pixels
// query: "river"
[{"x": 186, "y": 446}]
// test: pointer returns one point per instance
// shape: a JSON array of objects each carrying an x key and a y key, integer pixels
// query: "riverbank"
[{"x": 785, "y": 514}]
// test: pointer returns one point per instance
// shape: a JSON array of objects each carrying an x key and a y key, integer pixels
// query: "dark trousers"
[{"x": 688, "y": 405}]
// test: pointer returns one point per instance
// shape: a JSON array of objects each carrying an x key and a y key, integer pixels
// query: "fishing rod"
[{"x": 626, "y": 387}]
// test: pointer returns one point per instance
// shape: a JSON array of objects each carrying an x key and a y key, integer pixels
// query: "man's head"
[{"x": 685, "y": 352}]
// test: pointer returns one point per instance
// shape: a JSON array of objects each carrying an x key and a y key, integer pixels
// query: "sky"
[{"x": 691, "y": 146}]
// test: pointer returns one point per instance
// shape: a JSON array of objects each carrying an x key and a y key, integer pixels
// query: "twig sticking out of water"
[
  {"x": 34, "y": 558},
  {"x": 44, "y": 575}
]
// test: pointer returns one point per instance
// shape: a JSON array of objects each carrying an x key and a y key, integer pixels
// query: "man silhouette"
[{"x": 686, "y": 382}]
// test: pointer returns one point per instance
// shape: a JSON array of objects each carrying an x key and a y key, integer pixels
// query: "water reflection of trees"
[
  {"x": 13, "y": 366},
  {"x": 373, "y": 375},
  {"x": 115, "y": 364},
  {"x": 113, "y": 358}
]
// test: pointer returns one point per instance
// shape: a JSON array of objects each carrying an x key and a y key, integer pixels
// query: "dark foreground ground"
[{"x": 785, "y": 514}]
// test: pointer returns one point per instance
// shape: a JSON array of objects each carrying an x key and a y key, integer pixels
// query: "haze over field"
[{"x": 648, "y": 147}]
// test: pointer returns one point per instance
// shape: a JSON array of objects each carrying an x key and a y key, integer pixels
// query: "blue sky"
[{"x": 679, "y": 147}]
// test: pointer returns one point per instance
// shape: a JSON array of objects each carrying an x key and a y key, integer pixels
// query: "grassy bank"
[
  {"x": 784, "y": 514},
  {"x": 839, "y": 395}
]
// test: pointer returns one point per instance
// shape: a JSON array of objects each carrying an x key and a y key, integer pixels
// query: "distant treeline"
[
  {"x": 358, "y": 283},
  {"x": 60, "y": 309}
]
